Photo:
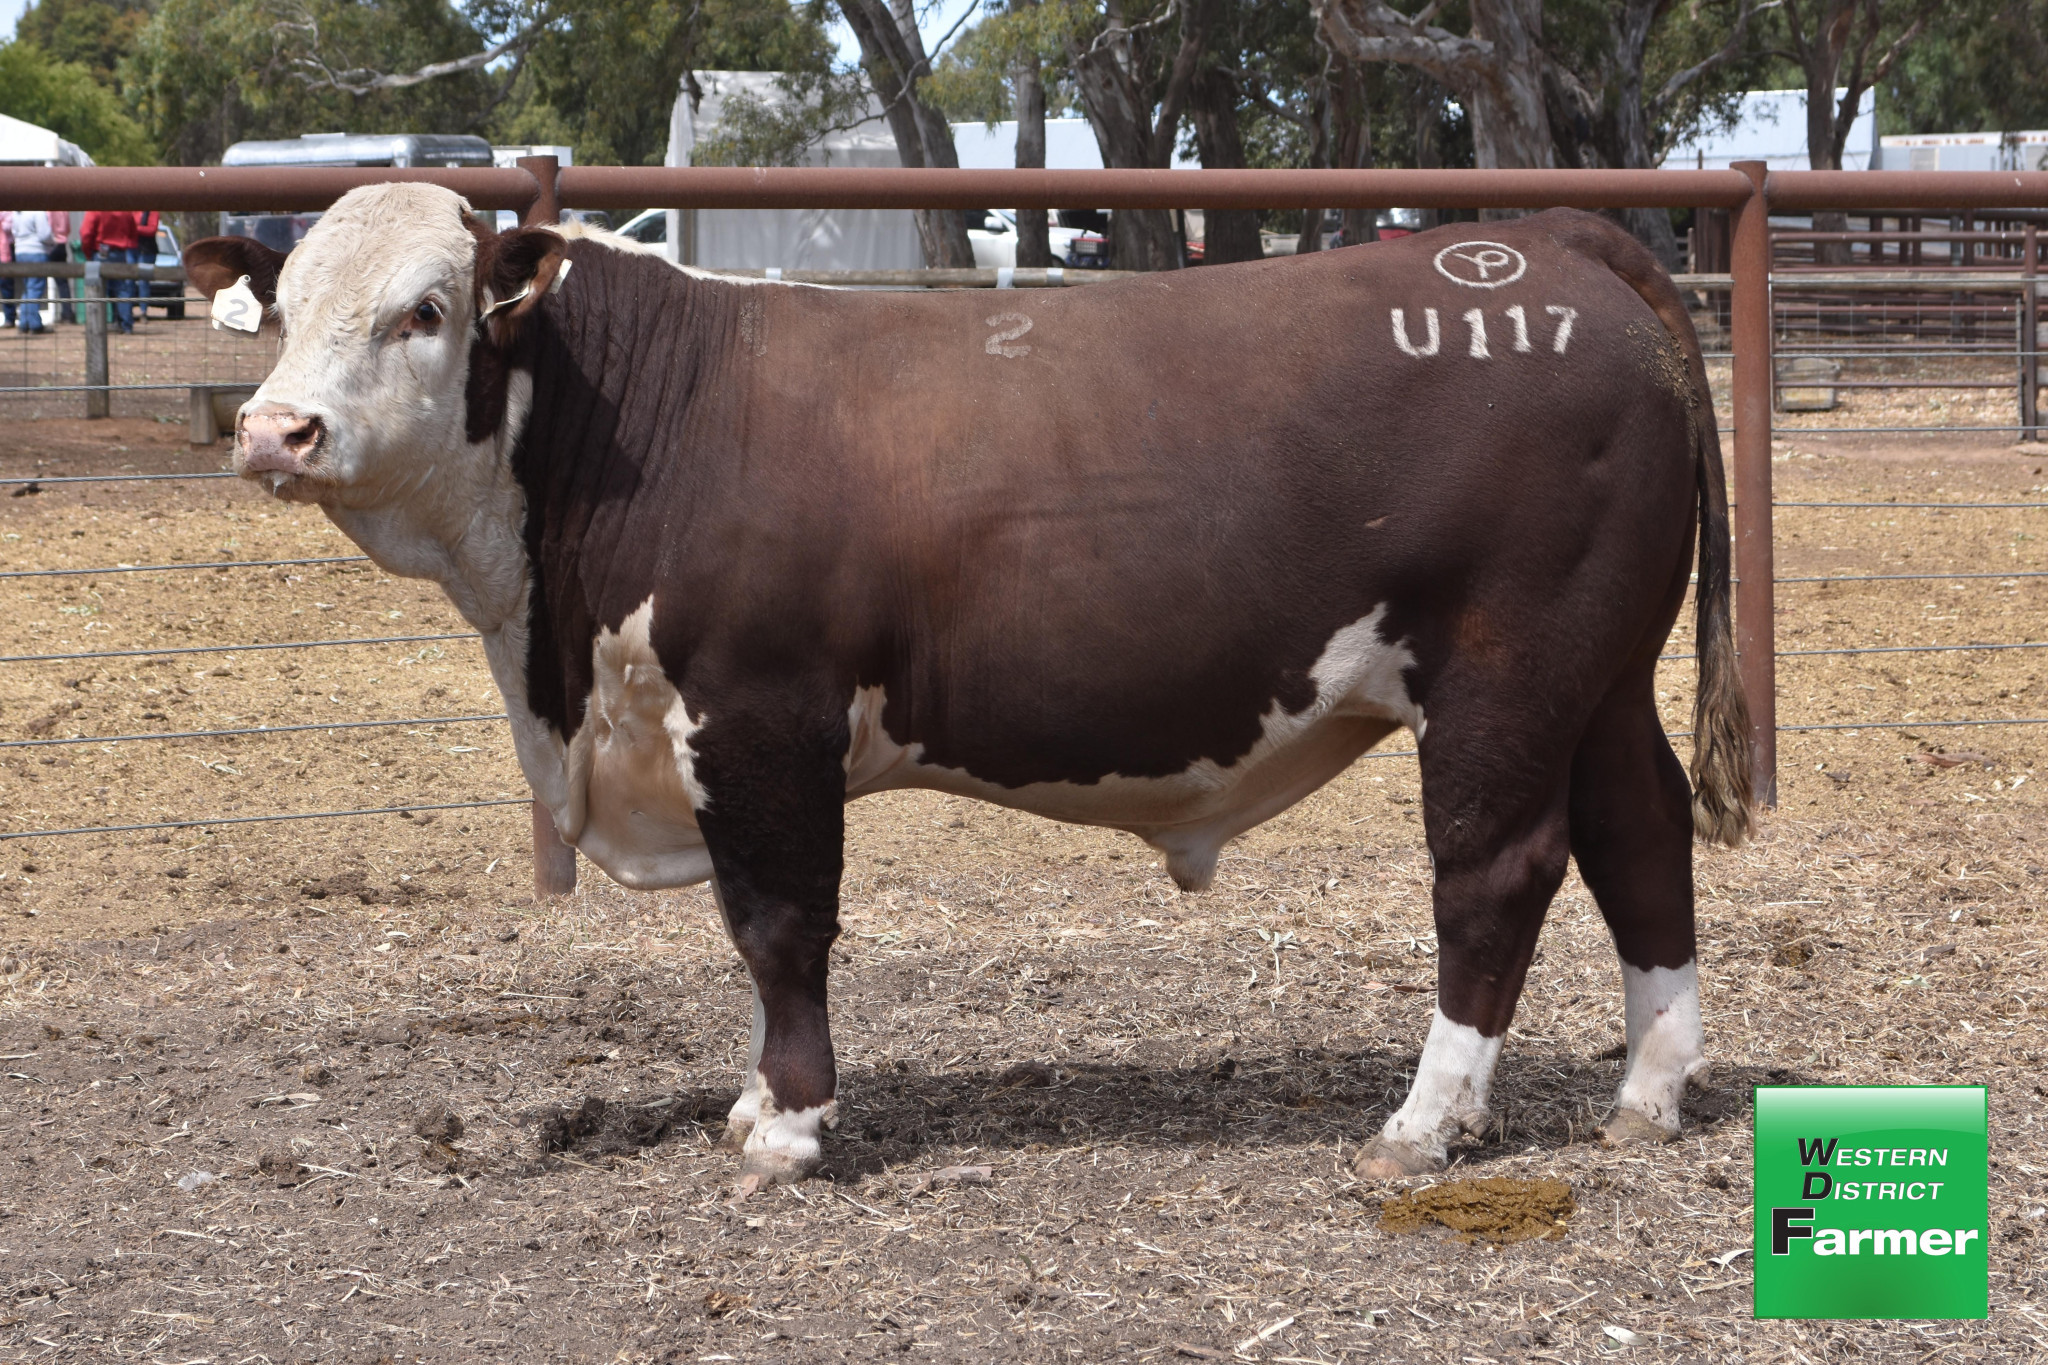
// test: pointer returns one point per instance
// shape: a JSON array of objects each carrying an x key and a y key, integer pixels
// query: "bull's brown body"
[{"x": 1162, "y": 554}]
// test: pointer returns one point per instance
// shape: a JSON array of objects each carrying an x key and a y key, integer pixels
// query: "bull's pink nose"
[{"x": 278, "y": 438}]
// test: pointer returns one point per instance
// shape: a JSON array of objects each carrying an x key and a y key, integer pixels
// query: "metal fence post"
[
  {"x": 546, "y": 207},
  {"x": 1750, "y": 325},
  {"x": 2030, "y": 337},
  {"x": 94, "y": 301}
]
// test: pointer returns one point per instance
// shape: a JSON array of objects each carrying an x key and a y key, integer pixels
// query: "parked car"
[
  {"x": 169, "y": 293},
  {"x": 649, "y": 227},
  {"x": 995, "y": 240},
  {"x": 507, "y": 219}
]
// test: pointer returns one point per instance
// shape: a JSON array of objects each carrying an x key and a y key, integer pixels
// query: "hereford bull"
[{"x": 1164, "y": 555}]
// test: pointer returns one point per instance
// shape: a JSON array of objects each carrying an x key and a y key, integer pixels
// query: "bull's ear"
[
  {"x": 215, "y": 263},
  {"x": 514, "y": 271}
]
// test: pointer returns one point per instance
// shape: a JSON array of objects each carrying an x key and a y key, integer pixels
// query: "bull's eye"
[{"x": 427, "y": 314}]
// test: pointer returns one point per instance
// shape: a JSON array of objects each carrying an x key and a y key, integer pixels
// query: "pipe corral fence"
[{"x": 1751, "y": 295}]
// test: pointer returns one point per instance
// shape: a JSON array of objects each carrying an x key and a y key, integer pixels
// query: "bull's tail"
[
  {"x": 1722, "y": 791},
  {"x": 1722, "y": 781}
]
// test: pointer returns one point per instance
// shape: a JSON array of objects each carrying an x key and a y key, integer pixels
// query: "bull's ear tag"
[{"x": 236, "y": 306}]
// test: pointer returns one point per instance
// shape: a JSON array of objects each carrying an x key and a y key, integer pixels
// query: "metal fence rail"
[{"x": 539, "y": 190}]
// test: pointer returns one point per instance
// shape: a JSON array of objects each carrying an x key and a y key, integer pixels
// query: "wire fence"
[
  {"x": 422, "y": 722},
  {"x": 1851, "y": 356}
]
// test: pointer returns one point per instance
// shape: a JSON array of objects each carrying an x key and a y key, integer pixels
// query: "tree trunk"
[
  {"x": 1496, "y": 73},
  {"x": 1631, "y": 124},
  {"x": 1832, "y": 32},
  {"x": 892, "y": 52},
  {"x": 1352, "y": 116},
  {"x": 1509, "y": 125},
  {"x": 1139, "y": 239},
  {"x": 1228, "y": 234},
  {"x": 1113, "y": 81},
  {"x": 1429, "y": 129},
  {"x": 1034, "y": 235}
]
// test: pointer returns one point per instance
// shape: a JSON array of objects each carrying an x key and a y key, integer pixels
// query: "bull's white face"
[{"x": 366, "y": 406}]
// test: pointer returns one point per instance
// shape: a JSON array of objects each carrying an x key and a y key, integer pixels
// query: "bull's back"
[{"x": 1125, "y": 522}]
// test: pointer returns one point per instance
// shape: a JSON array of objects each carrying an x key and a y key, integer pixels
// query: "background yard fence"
[{"x": 539, "y": 189}]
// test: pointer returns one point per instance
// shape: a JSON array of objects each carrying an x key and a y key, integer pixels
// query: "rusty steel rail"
[
  {"x": 246, "y": 188},
  {"x": 799, "y": 187}
]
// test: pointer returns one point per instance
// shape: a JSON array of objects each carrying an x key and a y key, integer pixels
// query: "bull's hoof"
[
  {"x": 1625, "y": 1126},
  {"x": 1391, "y": 1159},
  {"x": 760, "y": 1169},
  {"x": 734, "y": 1139}
]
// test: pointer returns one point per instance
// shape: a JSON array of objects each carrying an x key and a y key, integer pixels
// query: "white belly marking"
[{"x": 1360, "y": 696}]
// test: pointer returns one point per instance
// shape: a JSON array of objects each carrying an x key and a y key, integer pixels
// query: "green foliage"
[
  {"x": 64, "y": 97},
  {"x": 207, "y": 73},
  {"x": 608, "y": 74},
  {"x": 972, "y": 79},
  {"x": 95, "y": 33},
  {"x": 1712, "y": 102},
  {"x": 1980, "y": 69}
]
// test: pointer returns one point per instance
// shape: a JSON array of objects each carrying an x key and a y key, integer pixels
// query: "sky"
[{"x": 10, "y": 10}]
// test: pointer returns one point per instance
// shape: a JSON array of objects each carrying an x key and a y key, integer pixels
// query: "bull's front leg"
[{"x": 771, "y": 814}]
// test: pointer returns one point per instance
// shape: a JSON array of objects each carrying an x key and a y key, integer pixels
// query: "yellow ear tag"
[{"x": 236, "y": 306}]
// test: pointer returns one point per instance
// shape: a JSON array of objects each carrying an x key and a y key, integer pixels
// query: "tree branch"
[
  {"x": 1729, "y": 51},
  {"x": 1372, "y": 31},
  {"x": 316, "y": 73}
]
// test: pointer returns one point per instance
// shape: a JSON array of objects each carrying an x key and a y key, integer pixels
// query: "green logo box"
[{"x": 1872, "y": 1201}]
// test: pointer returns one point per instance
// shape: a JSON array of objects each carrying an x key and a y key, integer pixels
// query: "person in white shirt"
[{"x": 31, "y": 232}]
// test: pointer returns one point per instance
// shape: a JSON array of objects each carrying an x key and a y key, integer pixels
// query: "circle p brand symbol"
[{"x": 1481, "y": 265}]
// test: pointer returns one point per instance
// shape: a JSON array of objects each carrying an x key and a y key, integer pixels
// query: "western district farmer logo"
[{"x": 1872, "y": 1201}]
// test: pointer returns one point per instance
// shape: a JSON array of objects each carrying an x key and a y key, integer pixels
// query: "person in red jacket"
[{"x": 111, "y": 236}]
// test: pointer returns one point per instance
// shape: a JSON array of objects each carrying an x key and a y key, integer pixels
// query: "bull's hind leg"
[
  {"x": 1631, "y": 820},
  {"x": 1494, "y": 812}
]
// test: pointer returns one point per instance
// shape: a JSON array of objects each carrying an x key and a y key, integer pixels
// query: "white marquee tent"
[
  {"x": 24, "y": 144},
  {"x": 795, "y": 239}
]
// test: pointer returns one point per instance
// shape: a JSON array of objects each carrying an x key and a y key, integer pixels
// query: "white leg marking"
[
  {"x": 1401, "y": 334},
  {"x": 747, "y": 1112},
  {"x": 1476, "y": 320},
  {"x": 1521, "y": 320},
  {"x": 1450, "y": 1089},
  {"x": 784, "y": 1145},
  {"x": 1666, "y": 1046},
  {"x": 1566, "y": 316}
]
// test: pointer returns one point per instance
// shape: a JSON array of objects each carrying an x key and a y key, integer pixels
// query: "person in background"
[
  {"x": 60, "y": 250},
  {"x": 146, "y": 225},
  {"x": 111, "y": 236},
  {"x": 6, "y": 256},
  {"x": 30, "y": 229}
]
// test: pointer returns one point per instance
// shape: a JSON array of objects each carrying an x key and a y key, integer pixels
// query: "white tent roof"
[{"x": 24, "y": 144}]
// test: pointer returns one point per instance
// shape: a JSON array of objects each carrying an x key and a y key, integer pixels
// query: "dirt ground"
[{"x": 232, "y": 1053}]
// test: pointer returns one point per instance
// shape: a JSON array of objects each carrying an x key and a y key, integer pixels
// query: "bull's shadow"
[{"x": 896, "y": 1115}]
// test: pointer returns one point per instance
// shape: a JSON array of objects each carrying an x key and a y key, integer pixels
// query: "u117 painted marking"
[{"x": 1475, "y": 323}]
